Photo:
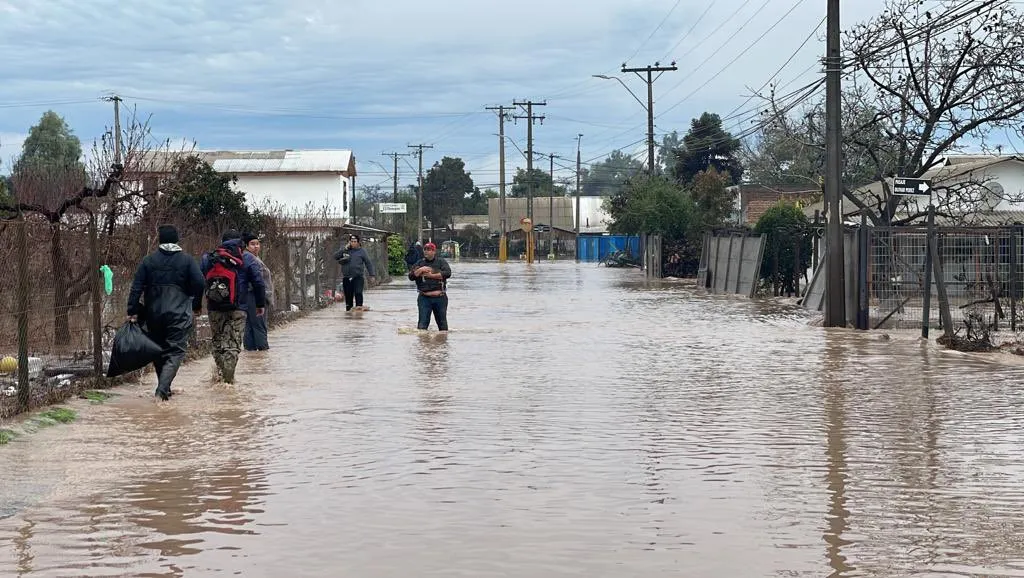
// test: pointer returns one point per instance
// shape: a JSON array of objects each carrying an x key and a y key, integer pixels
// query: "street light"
[{"x": 619, "y": 80}]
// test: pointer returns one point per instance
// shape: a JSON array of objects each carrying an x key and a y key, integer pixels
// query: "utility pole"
[
  {"x": 529, "y": 104},
  {"x": 835, "y": 279},
  {"x": 579, "y": 139},
  {"x": 112, "y": 216},
  {"x": 394, "y": 195},
  {"x": 419, "y": 200},
  {"x": 503, "y": 115},
  {"x": 649, "y": 78},
  {"x": 551, "y": 209}
]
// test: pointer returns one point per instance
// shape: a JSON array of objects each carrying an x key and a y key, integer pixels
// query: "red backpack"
[{"x": 222, "y": 279}]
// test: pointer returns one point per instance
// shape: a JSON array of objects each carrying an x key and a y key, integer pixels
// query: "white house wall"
[
  {"x": 296, "y": 191},
  {"x": 1010, "y": 176}
]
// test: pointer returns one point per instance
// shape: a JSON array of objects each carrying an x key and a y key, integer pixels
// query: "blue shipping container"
[{"x": 595, "y": 248}]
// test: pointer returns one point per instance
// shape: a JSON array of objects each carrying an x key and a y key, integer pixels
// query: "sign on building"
[{"x": 385, "y": 208}]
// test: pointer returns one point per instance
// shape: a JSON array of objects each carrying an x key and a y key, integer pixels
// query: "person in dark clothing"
[
  {"x": 413, "y": 255},
  {"x": 172, "y": 286},
  {"x": 355, "y": 263},
  {"x": 227, "y": 317},
  {"x": 255, "y": 337},
  {"x": 431, "y": 274}
]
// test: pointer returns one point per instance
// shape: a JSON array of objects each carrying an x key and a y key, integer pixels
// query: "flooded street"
[{"x": 575, "y": 422}]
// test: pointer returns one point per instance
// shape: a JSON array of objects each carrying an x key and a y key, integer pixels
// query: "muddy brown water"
[{"x": 576, "y": 422}]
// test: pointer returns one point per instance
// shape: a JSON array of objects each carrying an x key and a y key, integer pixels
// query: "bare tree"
[{"x": 921, "y": 82}]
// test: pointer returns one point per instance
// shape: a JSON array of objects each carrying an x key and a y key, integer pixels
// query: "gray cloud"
[{"x": 301, "y": 73}]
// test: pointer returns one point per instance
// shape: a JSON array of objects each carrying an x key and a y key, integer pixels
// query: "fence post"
[
  {"x": 317, "y": 281},
  {"x": 24, "y": 396},
  {"x": 303, "y": 272},
  {"x": 289, "y": 278},
  {"x": 863, "y": 292},
  {"x": 97, "y": 312},
  {"x": 928, "y": 273},
  {"x": 940, "y": 284},
  {"x": 1013, "y": 278}
]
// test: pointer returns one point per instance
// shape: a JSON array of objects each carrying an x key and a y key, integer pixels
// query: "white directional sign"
[
  {"x": 391, "y": 207},
  {"x": 913, "y": 187}
]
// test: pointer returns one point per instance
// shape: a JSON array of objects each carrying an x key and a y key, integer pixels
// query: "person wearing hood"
[
  {"x": 255, "y": 337},
  {"x": 230, "y": 272},
  {"x": 171, "y": 285},
  {"x": 355, "y": 264}
]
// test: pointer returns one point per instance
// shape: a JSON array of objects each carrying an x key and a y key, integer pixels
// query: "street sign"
[
  {"x": 911, "y": 187},
  {"x": 391, "y": 207}
]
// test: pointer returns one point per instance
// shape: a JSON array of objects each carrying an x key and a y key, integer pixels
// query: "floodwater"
[{"x": 576, "y": 422}]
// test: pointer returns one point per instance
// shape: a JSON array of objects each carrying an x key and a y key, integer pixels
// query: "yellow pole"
[
  {"x": 527, "y": 224},
  {"x": 503, "y": 248}
]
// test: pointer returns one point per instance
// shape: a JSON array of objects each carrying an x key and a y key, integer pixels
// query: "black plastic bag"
[{"x": 132, "y": 350}]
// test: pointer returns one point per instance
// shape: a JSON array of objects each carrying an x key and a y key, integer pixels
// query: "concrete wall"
[{"x": 295, "y": 191}]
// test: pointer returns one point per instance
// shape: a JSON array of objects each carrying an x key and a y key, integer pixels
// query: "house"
[
  {"x": 753, "y": 200},
  {"x": 993, "y": 186},
  {"x": 294, "y": 179}
]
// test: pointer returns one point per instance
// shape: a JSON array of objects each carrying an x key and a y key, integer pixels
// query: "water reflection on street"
[{"x": 577, "y": 421}]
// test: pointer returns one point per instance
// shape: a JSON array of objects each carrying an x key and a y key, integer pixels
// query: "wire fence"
[
  {"x": 979, "y": 269},
  {"x": 64, "y": 289}
]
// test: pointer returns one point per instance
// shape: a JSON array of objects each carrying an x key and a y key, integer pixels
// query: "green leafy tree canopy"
[{"x": 708, "y": 145}]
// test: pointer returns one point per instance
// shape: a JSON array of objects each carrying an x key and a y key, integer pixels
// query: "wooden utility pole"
[
  {"x": 528, "y": 105},
  {"x": 551, "y": 208},
  {"x": 503, "y": 115},
  {"x": 646, "y": 74},
  {"x": 835, "y": 262},
  {"x": 394, "y": 194},
  {"x": 419, "y": 201},
  {"x": 579, "y": 139}
]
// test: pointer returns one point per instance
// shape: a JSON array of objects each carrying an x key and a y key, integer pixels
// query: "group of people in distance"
[{"x": 169, "y": 288}]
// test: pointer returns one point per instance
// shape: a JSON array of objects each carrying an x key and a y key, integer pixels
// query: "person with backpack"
[
  {"x": 170, "y": 283},
  {"x": 230, "y": 272},
  {"x": 355, "y": 263}
]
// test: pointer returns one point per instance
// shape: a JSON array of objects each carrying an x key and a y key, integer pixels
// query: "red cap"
[{"x": 430, "y": 246}]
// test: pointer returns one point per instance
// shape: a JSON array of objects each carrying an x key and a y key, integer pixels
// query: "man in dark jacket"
[
  {"x": 172, "y": 286},
  {"x": 355, "y": 263},
  {"x": 227, "y": 312},
  {"x": 431, "y": 275}
]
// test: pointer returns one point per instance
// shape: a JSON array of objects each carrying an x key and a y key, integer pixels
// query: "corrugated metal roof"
[
  {"x": 338, "y": 161},
  {"x": 307, "y": 161}
]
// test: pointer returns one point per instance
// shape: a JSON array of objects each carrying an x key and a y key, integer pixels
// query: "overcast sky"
[{"x": 377, "y": 75}]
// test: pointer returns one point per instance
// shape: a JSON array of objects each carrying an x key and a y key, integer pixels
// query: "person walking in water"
[
  {"x": 431, "y": 274},
  {"x": 170, "y": 282},
  {"x": 255, "y": 337},
  {"x": 355, "y": 264},
  {"x": 230, "y": 272}
]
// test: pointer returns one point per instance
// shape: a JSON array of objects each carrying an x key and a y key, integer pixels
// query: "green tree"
[
  {"x": 788, "y": 237},
  {"x": 708, "y": 145},
  {"x": 714, "y": 202},
  {"x": 542, "y": 185},
  {"x": 206, "y": 199},
  {"x": 476, "y": 202},
  {"x": 445, "y": 187},
  {"x": 607, "y": 177},
  {"x": 654, "y": 206}
]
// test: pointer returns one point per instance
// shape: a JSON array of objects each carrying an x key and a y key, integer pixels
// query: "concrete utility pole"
[
  {"x": 503, "y": 115},
  {"x": 551, "y": 209},
  {"x": 649, "y": 78},
  {"x": 579, "y": 138},
  {"x": 835, "y": 275},
  {"x": 394, "y": 194},
  {"x": 419, "y": 200}
]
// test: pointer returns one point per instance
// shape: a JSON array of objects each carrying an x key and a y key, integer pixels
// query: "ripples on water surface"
[{"x": 576, "y": 422}]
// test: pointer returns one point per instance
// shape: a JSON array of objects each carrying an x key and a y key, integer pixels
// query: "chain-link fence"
[{"x": 64, "y": 291}]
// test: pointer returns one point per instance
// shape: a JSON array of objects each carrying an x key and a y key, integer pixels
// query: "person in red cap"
[{"x": 431, "y": 274}]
